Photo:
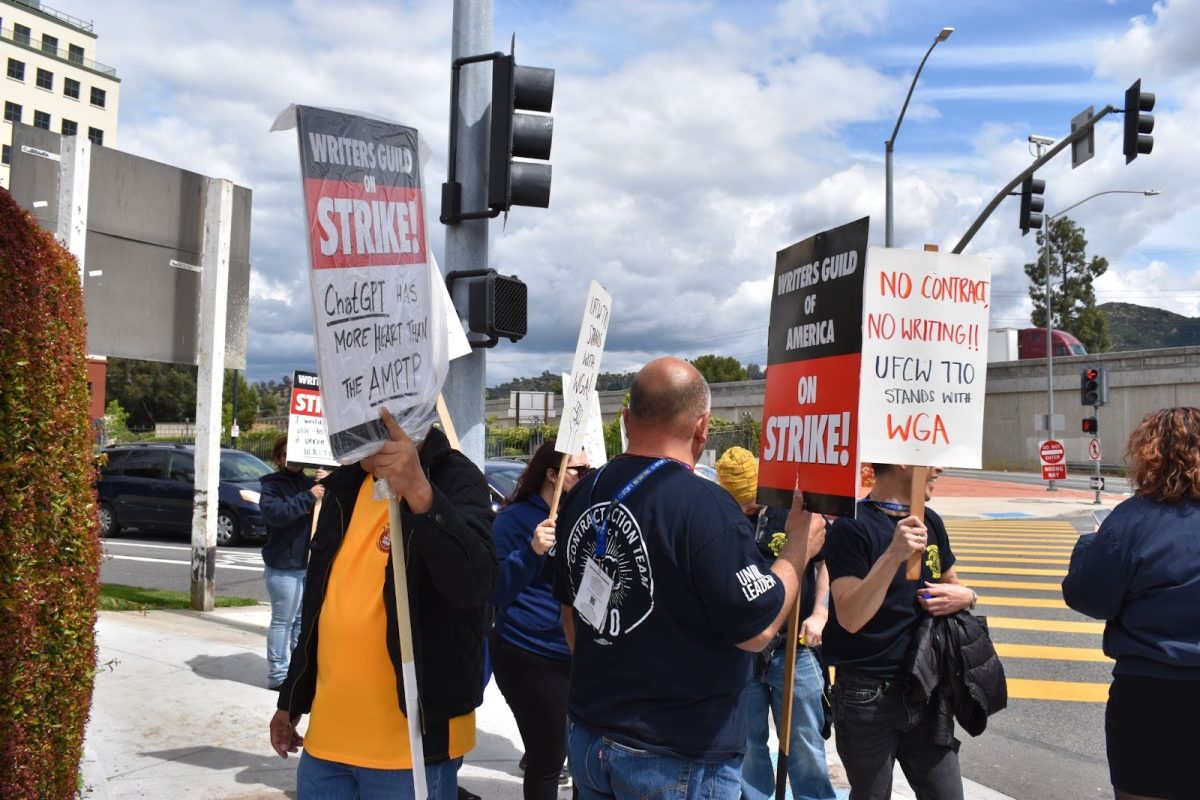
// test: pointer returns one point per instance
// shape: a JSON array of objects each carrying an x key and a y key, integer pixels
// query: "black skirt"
[{"x": 1152, "y": 729}]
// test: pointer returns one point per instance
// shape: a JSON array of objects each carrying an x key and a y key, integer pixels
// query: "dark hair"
[
  {"x": 279, "y": 448},
  {"x": 531, "y": 480},
  {"x": 1164, "y": 455}
]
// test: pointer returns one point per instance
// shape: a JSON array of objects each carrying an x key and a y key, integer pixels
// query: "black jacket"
[
  {"x": 954, "y": 667},
  {"x": 451, "y": 564}
]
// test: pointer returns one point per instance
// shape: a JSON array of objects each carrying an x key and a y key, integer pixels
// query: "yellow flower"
[{"x": 778, "y": 540}]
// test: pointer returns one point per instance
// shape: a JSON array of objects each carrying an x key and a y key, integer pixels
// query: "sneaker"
[{"x": 467, "y": 794}]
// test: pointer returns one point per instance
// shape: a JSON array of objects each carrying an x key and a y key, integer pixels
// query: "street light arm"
[
  {"x": 1146, "y": 192},
  {"x": 896, "y": 130}
]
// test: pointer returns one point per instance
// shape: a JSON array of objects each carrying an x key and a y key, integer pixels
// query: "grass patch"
[{"x": 119, "y": 597}]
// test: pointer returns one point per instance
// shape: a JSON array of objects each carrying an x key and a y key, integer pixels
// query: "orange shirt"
[{"x": 356, "y": 717}]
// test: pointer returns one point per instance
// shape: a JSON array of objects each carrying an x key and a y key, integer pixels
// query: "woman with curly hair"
[{"x": 1141, "y": 573}]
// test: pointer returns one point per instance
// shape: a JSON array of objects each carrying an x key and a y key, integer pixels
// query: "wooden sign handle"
[
  {"x": 920, "y": 477},
  {"x": 447, "y": 423},
  {"x": 558, "y": 484}
]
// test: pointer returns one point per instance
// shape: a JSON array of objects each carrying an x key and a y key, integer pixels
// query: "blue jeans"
[
  {"x": 318, "y": 779},
  {"x": 808, "y": 771},
  {"x": 876, "y": 726},
  {"x": 603, "y": 768},
  {"x": 285, "y": 587}
]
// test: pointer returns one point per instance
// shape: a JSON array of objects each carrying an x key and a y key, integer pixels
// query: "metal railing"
[
  {"x": 57, "y": 52},
  {"x": 34, "y": 5}
]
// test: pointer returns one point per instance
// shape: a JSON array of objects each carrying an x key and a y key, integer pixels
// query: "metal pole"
[
  {"x": 467, "y": 241},
  {"x": 890, "y": 145},
  {"x": 1049, "y": 344},
  {"x": 1096, "y": 414}
]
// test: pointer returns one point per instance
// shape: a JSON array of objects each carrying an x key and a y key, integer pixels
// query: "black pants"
[{"x": 535, "y": 688}]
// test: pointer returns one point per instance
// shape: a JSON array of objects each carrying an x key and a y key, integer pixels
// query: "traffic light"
[
  {"x": 1093, "y": 386},
  {"x": 1091, "y": 425},
  {"x": 1138, "y": 125},
  {"x": 517, "y": 89},
  {"x": 1032, "y": 203}
]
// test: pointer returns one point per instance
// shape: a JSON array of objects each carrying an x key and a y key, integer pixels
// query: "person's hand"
[
  {"x": 322, "y": 474},
  {"x": 284, "y": 738},
  {"x": 318, "y": 491},
  {"x": 910, "y": 537},
  {"x": 398, "y": 463},
  {"x": 812, "y": 629},
  {"x": 942, "y": 599},
  {"x": 543, "y": 537}
]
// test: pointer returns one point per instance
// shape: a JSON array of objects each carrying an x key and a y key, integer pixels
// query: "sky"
[{"x": 693, "y": 139}]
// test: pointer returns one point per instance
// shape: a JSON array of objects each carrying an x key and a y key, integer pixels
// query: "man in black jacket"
[
  {"x": 873, "y": 616},
  {"x": 346, "y": 671}
]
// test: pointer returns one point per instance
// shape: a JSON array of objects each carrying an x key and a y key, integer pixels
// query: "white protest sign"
[
  {"x": 457, "y": 345},
  {"x": 592, "y": 440},
  {"x": 924, "y": 358},
  {"x": 308, "y": 444},
  {"x": 379, "y": 324},
  {"x": 588, "y": 350}
]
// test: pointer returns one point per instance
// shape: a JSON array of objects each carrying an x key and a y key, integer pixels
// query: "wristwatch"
[{"x": 974, "y": 600}]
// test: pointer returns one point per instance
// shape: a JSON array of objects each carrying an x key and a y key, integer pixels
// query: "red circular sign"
[{"x": 1052, "y": 451}]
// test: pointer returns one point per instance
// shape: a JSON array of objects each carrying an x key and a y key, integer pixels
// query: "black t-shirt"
[
  {"x": 852, "y": 547},
  {"x": 767, "y": 525},
  {"x": 665, "y": 674}
]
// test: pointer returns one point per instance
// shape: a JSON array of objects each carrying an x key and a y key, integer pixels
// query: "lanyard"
[{"x": 602, "y": 524}]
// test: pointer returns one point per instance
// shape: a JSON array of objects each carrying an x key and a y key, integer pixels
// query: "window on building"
[
  {"x": 12, "y": 111},
  {"x": 49, "y": 44},
  {"x": 16, "y": 69},
  {"x": 98, "y": 97},
  {"x": 70, "y": 127},
  {"x": 96, "y": 136},
  {"x": 45, "y": 79},
  {"x": 75, "y": 53},
  {"x": 20, "y": 33},
  {"x": 71, "y": 87},
  {"x": 41, "y": 120},
  {"x": 5, "y": 154}
]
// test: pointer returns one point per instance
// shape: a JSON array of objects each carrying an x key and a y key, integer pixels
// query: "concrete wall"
[{"x": 1139, "y": 382}]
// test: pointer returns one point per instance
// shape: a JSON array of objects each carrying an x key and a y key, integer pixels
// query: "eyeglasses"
[{"x": 579, "y": 469}]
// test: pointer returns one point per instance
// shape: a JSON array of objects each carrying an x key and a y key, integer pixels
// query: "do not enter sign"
[{"x": 1052, "y": 456}]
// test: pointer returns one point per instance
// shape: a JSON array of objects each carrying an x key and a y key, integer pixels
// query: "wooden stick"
[
  {"x": 920, "y": 477},
  {"x": 558, "y": 484},
  {"x": 447, "y": 423},
  {"x": 787, "y": 693},
  {"x": 407, "y": 663}
]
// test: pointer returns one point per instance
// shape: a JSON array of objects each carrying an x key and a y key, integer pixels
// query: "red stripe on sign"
[
  {"x": 306, "y": 403},
  {"x": 810, "y": 426},
  {"x": 350, "y": 225}
]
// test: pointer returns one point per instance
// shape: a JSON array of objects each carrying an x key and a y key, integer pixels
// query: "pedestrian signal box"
[{"x": 1091, "y": 425}]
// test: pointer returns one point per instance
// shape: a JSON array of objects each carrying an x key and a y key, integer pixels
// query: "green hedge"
[{"x": 49, "y": 548}]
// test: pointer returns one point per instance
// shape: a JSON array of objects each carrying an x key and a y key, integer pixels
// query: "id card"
[{"x": 591, "y": 601}]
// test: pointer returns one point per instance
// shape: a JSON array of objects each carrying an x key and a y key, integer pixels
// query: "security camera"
[{"x": 1045, "y": 140}]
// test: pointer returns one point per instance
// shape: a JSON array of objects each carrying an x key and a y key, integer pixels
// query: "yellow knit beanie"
[{"x": 737, "y": 470}]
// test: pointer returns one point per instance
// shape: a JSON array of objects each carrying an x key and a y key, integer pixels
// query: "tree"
[
  {"x": 720, "y": 369},
  {"x": 1073, "y": 301},
  {"x": 151, "y": 392},
  {"x": 247, "y": 410},
  {"x": 49, "y": 544},
  {"x": 754, "y": 372}
]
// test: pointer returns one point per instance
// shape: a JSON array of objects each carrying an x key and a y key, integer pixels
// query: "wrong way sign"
[{"x": 1053, "y": 458}]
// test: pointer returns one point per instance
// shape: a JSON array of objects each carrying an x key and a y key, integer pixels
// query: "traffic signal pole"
[{"x": 467, "y": 241}]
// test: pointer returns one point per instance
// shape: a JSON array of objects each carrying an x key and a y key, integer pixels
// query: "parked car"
[
  {"x": 152, "y": 485},
  {"x": 502, "y": 475}
]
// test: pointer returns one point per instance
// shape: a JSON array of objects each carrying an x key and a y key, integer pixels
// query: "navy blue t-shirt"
[
  {"x": 664, "y": 673},
  {"x": 880, "y": 648}
]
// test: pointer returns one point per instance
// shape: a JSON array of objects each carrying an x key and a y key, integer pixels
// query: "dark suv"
[{"x": 152, "y": 486}]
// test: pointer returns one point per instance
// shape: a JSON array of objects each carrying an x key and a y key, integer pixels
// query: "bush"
[{"x": 49, "y": 548}]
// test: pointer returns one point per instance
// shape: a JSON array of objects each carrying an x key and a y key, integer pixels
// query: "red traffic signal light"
[
  {"x": 1091, "y": 373},
  {"x": 1091, "y": 425}
]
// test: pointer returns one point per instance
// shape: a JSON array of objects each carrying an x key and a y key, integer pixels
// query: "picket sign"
[
  {"x": 577, "y": 400},
  {"x": 785, "y": 724}
]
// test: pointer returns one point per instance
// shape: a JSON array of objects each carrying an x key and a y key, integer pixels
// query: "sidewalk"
[{"x": 180, "y": 708}]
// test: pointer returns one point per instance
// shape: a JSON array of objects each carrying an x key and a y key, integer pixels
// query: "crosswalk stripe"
[
  {"x": 1051, "y": 625},
  {"x": 1070, "y": 691},
  {"x": 1013, "y": 560},
  {"x": 984, "y": 569},
  {"x": 1051, "y": 652},
  {"x": 1005, "y": 549},
  {"x": 1055, "y": 539},
  {"x": 1022, "y": 602},
  {"x": 1036, "y": 586}
]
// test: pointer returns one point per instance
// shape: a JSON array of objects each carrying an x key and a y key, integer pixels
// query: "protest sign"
[
  {"x": 588, "y": 350},
  {"x": 810, "y": 409},
  {"x": 924, "y": 358},
  {"x": 591, "y": 442},
  {"x": 378, "y": 319},
  {"x": 307, "y": 444}
]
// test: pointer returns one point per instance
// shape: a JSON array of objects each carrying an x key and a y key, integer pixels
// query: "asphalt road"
[{"x": 155, "y": 561}]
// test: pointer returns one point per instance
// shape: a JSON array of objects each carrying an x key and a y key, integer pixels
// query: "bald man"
[{"x": 665, "y": 600}]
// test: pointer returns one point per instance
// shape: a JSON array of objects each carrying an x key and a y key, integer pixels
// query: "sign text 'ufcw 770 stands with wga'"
[{"x": 373, "y": 308}]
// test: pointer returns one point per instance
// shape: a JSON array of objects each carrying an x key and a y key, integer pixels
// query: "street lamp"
[
  {"x": 1046, "y": 220},
  {"x": 889, "y": 145}
]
